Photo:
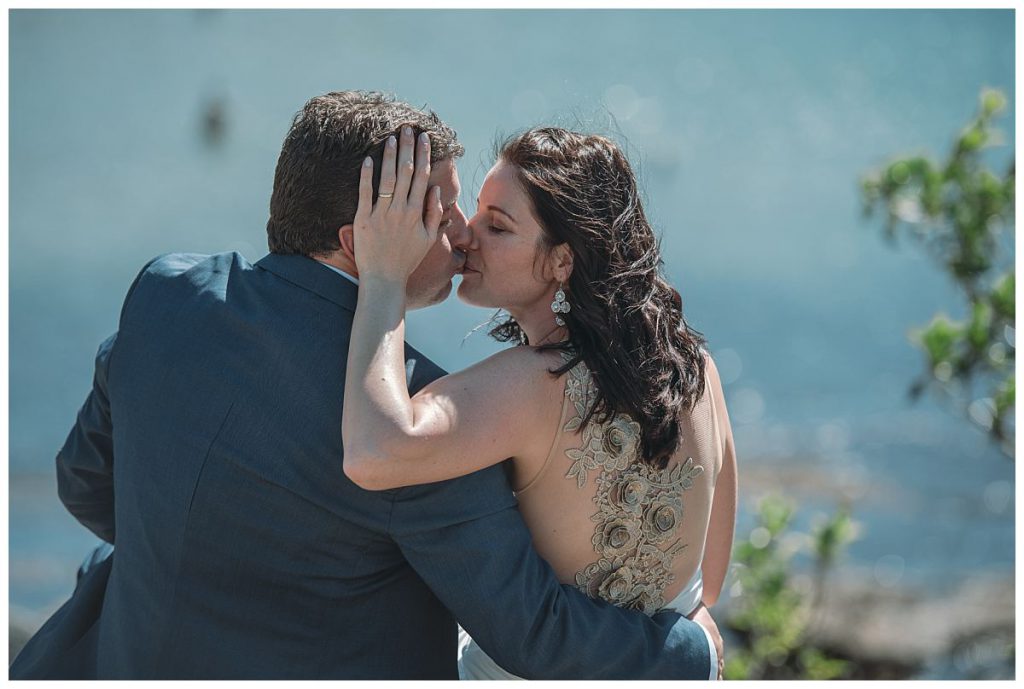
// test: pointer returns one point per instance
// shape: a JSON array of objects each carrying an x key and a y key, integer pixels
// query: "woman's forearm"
[{"x": 378, "y": 409}]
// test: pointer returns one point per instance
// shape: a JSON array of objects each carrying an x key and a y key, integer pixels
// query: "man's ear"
[
  {"x": 347, "y": 239},
  {"x": 561, "y": 262}
]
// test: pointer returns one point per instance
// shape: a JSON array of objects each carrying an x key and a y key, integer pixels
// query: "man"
[{"x": 210, "y": 452}]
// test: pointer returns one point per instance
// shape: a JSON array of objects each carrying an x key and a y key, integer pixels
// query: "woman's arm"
[
  {"x": 460, "y": 423},
  {"x": 722, "y": 525}
]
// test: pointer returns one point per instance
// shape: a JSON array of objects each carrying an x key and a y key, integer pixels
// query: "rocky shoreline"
[
  {"x": 903, "y": 633},
  {"x": 18, "y": 637},
  {"x": 887, "y": 633}
]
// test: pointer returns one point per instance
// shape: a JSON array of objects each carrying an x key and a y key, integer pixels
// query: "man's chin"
[
  {"x": 436, "y": 298},
  {"x": 443, "y": 293}
]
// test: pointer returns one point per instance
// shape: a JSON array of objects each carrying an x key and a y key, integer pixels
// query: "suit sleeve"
[
  {"x": 468, "y": 542},
  {"x": 85, "y": 464}
]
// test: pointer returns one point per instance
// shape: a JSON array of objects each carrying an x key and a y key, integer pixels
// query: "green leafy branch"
[
  {"x": 774, "y": 616},
  {"x": 958, "y": 210}
]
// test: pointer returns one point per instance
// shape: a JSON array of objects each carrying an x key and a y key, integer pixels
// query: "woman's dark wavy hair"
[{"x": 626, "y": 321}]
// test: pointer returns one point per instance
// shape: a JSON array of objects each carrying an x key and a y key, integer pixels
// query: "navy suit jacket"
[{"x": 209, "y": 452}]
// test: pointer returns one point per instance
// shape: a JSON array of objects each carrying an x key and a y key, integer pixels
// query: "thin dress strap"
[
  {"x": 716, "y": 431},
  {"x": 554, "y": 441}
]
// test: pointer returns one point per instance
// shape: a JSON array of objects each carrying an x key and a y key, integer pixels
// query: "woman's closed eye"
[{"x": 495, "y": 229}]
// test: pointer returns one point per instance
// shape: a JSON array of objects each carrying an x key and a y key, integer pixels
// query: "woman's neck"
[{"x": 539, "y": 325}]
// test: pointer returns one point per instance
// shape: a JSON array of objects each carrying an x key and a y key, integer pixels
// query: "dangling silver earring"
[{"x": 560, "y": 305}]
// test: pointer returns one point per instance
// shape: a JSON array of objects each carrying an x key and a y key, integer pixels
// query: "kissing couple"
[{"x": 288, "y": 490}]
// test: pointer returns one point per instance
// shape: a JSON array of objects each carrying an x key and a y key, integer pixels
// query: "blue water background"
[{"x": 749, "y": 129}]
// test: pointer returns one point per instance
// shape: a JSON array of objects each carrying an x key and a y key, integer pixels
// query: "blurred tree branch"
[
  {"x": 774, "y": 616},
  {"x": 958, "y": 210}
]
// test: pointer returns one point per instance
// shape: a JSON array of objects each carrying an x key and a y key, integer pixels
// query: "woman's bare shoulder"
[
  {"x": 525, "y": 358},
  {"x": 522, "y": 376},
  {"x": 524, "y": 364}
]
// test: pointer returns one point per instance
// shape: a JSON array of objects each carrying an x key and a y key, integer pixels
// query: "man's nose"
[{"x": 459, "y": 233}]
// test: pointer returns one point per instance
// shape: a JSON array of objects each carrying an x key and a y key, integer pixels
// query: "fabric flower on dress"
[
  {"x": 617, "y": 588},
  {"x": 629, "y": 493},
  {"x": 590, "y": 578},
  {"x": 595, "y": 446},
  {"x": 574, "y": 388},
  {"x": 622, "y": 439},
  {"x": 639, "y": 507},
  {"x": 617, "y": 538},
  {"x": 645, "y": 598},
  {"x": 607, "y": 446},
  {"x": 662, "y": 517}
]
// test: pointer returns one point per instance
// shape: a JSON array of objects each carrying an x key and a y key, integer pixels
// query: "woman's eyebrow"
[{"x": 503, "y": 212}]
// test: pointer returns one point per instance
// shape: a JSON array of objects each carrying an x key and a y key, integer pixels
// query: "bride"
[{"x": 609, "y": 409}]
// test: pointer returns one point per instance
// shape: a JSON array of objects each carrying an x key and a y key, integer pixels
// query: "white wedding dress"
[
  {"x": 474, "y": 664},
  {"x": 638, "y": 528}
]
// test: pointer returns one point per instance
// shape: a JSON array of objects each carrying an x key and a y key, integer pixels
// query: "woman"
[{"x": 610, "y": 410}]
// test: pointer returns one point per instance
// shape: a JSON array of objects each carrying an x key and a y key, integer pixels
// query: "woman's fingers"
[
  {"x": 434, "y": 211},
  {"x": 365, "y": 204},
  {"x": 419, "y": 179},
  {"x": 386, "y": 188},
  {"x": 406, "y": 166}
]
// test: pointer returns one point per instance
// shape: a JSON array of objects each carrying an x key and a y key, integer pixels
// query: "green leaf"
[
  {"x": 818, "y": 666},
  {"x": 774, "y": 514},
  {"x": 899, "y": 173},
  {"x": 939, "y": 339},
  {"x": 832, "y": 535},
  {"x": 737, "y": 665},
  {"x": 992, "y": 102},
  {"x": 972, "y": 139},
  {"x": 1005, "y": 396},
  {"x": 1002, "y": 296},
  {"x": 980, "y": 326},
  {"x": 931, "y": 192}
]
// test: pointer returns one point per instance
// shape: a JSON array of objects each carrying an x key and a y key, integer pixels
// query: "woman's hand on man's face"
[{"x": 392, "y": 236}]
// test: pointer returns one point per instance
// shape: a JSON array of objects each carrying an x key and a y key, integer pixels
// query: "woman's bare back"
[{"x": 610, "y": 523}]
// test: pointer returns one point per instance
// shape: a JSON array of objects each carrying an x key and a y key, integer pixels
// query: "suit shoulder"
[
  {"x": 197, "y": 269},
  {"x": 181, "y": 274},
  {"x": 173, "y": 264}
]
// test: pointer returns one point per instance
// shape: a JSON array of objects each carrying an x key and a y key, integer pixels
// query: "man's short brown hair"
[{"x": 316, "y": 184}]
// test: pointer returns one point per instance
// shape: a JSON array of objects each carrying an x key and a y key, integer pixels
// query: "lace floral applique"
[
  {"x": 608, "y": 446},
  {"x": 639, "y": 507}
]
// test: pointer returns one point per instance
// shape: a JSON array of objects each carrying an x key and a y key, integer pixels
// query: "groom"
[{"x": 209, "y": 451}]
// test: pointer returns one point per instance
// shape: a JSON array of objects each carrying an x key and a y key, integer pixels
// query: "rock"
[
  {"x": 967, "y": 632},
  {"x": 18, "y": 637},
  {"x": 861, "y": 620},
  {"x": 22, "y": 623},
  {"x": 982, "y": 656}
]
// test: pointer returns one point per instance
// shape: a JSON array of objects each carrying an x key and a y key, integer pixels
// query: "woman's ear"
[{"x": 561, "y": 262}]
